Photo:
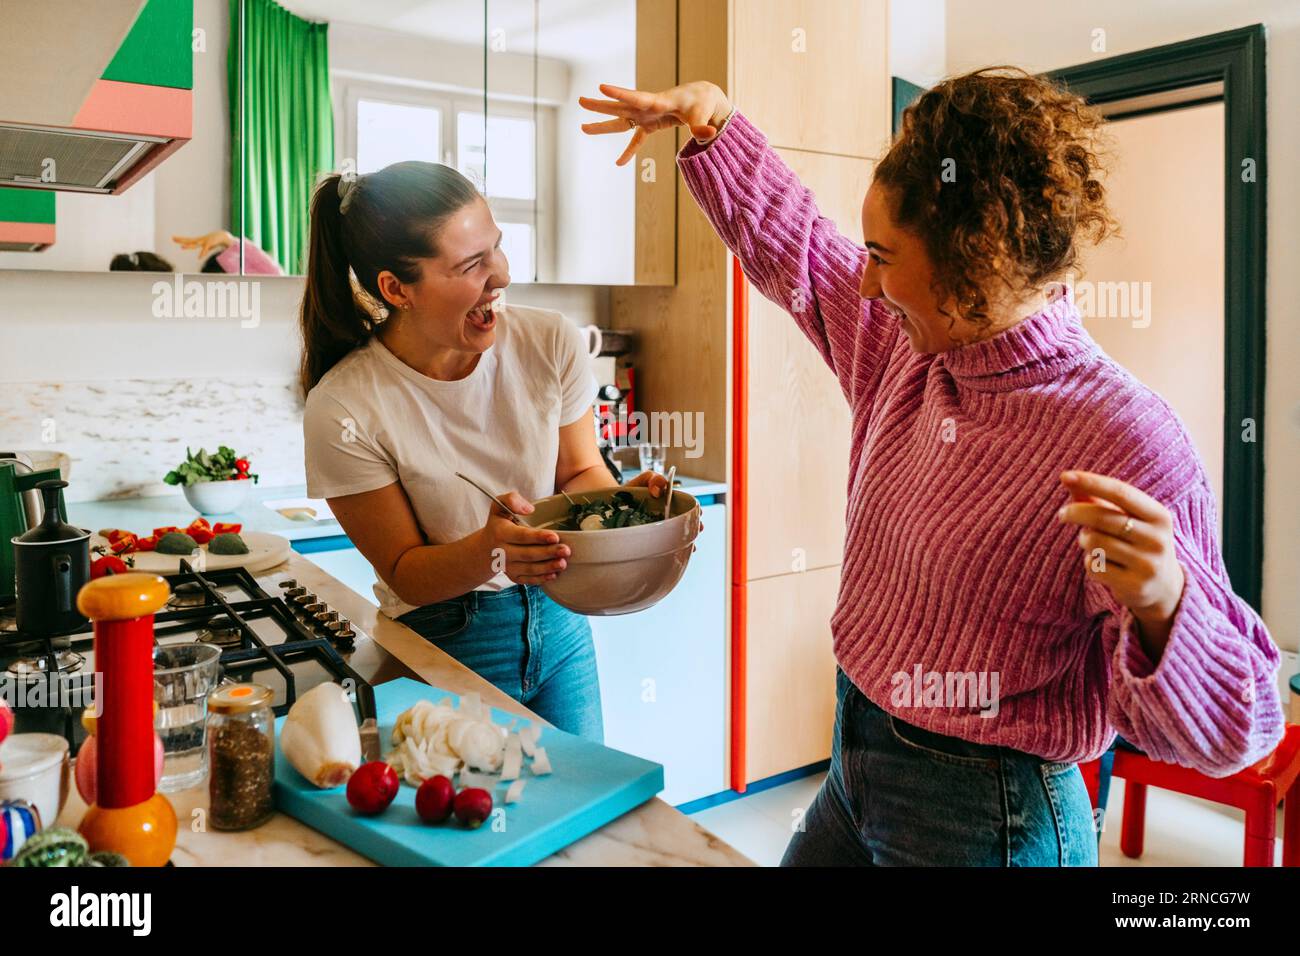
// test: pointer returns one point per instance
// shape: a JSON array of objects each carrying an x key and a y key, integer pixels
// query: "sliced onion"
[
  {"x": 514, "y": 758},
  {"x": 515, "y": 790},
  {"x": 471, "y": 706},
  {"x": 541, "y": 763},
  {"x": 528, "y": 738},
  {"x": 470, "y": 779}
]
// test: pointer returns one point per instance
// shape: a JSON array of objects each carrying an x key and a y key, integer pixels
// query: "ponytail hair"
[{"x": 362, "y": 226}]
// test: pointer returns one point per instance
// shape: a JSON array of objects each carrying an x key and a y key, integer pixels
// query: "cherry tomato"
[{"x": 109, "y": 563}]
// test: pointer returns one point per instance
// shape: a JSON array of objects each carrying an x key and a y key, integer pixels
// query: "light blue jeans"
[
  {"x": 527, "y": 645},
  {"x": 897, "y": 795}
]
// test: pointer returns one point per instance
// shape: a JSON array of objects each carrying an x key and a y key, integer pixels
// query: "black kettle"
[{"x": 52, "y": 563}]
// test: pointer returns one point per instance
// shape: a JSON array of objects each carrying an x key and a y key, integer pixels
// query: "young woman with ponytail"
[{"x": 413, "y": 371}]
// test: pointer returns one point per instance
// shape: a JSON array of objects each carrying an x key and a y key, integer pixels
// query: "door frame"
[{"x": 1235, "y": 58}]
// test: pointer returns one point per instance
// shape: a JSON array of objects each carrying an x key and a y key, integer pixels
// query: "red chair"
[{"x": 1256, "y": 790}]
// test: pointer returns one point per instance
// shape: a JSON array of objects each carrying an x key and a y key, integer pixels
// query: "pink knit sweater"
[{"x": 954, "y": 563}]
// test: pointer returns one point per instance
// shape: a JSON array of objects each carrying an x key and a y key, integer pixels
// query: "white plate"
[{"x": 264, "y": 551}]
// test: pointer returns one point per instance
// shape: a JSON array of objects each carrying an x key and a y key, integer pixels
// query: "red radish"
[
  {"x": 372, "y": 787},
  {"x": 473, "y": 805},
  {"x": 434, "y": 799},
  {"x": 4, "y": 832},
  {"x": 6, "y": 721}
]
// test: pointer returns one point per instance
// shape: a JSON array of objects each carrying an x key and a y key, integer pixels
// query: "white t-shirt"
[{"x": 373, "y": 420}]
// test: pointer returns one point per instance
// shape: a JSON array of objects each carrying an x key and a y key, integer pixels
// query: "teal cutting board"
[{"x": 590, "y": 786}]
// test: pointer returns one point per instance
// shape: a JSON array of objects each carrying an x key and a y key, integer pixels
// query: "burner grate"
[{"x": 245, "y": 652}]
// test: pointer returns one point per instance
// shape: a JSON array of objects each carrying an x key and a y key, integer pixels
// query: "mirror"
[
  {"x": 569, "y": 215},
  {"x": 395, "y": 80},
  {"x": 489, "y": 87},
  {"x": 109, "y": 153}
]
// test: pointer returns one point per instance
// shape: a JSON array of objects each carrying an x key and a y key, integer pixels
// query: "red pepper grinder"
[{"x": 129, "y": 816}]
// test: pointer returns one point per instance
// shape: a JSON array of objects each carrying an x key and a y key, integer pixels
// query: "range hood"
[{"x": 93, "y": 93}]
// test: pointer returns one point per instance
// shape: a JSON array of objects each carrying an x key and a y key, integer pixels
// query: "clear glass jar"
[{"x": 241, "y": 756}]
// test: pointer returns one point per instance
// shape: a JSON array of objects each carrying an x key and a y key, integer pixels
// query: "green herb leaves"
[
  {"x": 222, "y": 465},
  {"x": 621, "y": 511}
]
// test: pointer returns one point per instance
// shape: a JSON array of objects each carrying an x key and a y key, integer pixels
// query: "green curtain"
[{"x": 287, "y": 140}]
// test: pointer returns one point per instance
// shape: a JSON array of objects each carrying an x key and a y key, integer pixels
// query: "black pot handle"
[{"x": 62, "y": 581}]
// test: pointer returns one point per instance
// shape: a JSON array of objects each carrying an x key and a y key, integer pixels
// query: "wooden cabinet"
[
  {"x": 798, "y": 417},
  {"x": 813, "y": 75},
  {"x": 788, "y": 713}
]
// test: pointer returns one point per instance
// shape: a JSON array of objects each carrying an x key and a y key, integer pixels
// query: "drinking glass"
[
  {"x": 183, "y": 676},
  {"x": 652, "y": 457}
]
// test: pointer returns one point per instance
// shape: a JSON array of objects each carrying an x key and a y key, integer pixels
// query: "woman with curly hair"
[{"x": 1031, "y": 560}]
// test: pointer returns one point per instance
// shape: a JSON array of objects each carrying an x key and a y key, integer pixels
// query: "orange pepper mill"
[{"x": 129, "y": 816}]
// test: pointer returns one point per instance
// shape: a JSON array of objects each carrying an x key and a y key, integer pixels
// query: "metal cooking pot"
[{"x": 53, "y": 563}]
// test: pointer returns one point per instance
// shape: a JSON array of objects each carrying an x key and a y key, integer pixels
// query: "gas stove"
[{"x": 289, "y": 641}]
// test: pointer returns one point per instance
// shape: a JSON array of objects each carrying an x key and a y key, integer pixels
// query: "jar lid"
[{"x": 239, "y": 698}]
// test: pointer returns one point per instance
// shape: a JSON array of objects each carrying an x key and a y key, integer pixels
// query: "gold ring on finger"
[
  {"x": 631, "y": 123},
  {"x": 1128, "y": 528}
]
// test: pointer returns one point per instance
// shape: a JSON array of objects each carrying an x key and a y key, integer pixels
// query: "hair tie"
[{"x": 347, "y": 187}]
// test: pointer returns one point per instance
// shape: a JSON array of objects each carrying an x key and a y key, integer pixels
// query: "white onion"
[{"x": 320, "y": 737}]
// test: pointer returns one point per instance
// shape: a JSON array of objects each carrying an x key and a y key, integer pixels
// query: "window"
[
  {"x": 389, "y": 133},
  {"x": 391, "y": 123}
]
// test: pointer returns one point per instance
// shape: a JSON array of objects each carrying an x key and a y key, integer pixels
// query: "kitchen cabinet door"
[
  {"x": 567, "y": 212},
  {"x": 814, "y": 74},
  {"x": 406, "y": 82},
  {"x": 790, "y": 672},
  {"x": 663, "y": 673},
  {"x": 798, "y": 417}
]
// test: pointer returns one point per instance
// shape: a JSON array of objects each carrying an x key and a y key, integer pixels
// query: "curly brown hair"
[{"x": 998, "y": 171}]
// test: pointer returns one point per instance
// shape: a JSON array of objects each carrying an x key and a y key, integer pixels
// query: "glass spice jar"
[{"x": 241, "y": 756}]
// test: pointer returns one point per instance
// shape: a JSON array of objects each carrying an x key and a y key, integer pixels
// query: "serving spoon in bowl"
[
  {"x": 513, "y": 517},
  {"x": 668, "y": 501}
]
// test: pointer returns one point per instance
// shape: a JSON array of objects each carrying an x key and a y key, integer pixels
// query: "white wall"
[
  {"x": 917, "y": 42},
  {"x": 89, "y": 229},
  {"x": 1040, "y": 35},
  {"x": 126, "y": 392}
]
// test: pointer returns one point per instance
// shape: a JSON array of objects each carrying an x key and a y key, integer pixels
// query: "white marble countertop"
[{"x": 654, "y": 834}]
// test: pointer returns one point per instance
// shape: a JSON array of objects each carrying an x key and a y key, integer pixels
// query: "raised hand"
[
  {"x": 700, "y": 106},
  {"x": 207, "y": 243}
]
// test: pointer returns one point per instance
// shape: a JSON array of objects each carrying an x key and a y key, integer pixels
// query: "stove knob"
[
  {"x": 289, "y": 583},
  {"x": 294, "y": 593},
  {"x": 306, "y": 597}
]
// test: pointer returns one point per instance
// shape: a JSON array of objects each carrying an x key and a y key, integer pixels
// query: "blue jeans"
[
  {"x": 527, "y": 645},
  {"x": 897, "y": 795}
]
